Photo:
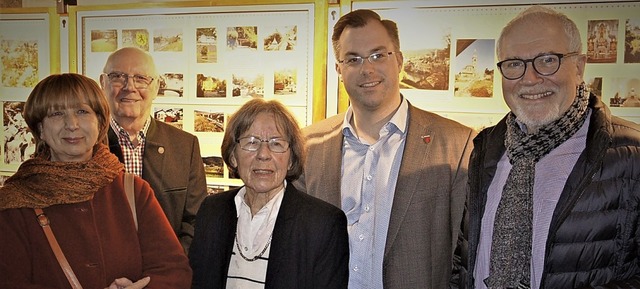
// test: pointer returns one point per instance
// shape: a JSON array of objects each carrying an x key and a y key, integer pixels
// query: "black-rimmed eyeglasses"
[
  {"x": 119, "y": 79},
  {"x": 545, "y": 64},
  {"x": 252, "y": 144},
  {"x": 374, "y": 58}
]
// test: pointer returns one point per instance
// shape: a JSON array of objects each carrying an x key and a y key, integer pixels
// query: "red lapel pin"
[{"x": 426, "y": 138}]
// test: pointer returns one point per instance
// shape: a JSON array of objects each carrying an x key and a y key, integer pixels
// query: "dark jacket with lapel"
[
  {"x": 173, "y": 166},
  {"x": 309, "y": 248}
]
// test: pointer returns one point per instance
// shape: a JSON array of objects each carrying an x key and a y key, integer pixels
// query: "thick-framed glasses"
[
  {"x": 119, "y": 79},
  {"x": 545, "y": 64},
  {"x": 378, "y": 57},
  {"x": 252, "y": 144}
]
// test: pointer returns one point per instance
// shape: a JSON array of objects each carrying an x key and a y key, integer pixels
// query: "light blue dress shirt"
[{"x": 369, "y": 176}]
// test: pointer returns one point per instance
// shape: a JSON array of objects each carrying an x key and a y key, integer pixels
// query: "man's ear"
[{"x": 581, "y": 61}]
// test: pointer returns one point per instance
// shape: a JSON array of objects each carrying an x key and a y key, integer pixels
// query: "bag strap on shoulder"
[
  {"x": 128, "y": 189},
  {"x": 66, "y": 268}
]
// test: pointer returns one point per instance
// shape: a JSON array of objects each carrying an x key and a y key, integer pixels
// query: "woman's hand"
[{"x": 124, "y": 283}]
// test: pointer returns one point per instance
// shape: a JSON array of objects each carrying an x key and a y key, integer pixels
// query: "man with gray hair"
[
  {"x": 165, "y": 156},
  {"x": 554, "y": 197}
]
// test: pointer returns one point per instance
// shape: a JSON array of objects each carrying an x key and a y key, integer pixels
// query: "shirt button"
[
  {"x": 246, "y": 249},
  {"x": 367, "y": 208},
  {"x": 371, "y": 148},
  {"x": 361, "y": 237},
  {"x": 355, "y": 269},
  {"x": 369, "y": 177}
]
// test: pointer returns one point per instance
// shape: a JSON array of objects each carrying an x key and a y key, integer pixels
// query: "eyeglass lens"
[
  {"x": 121, "y": 79},
  {"x": 373, "y": 58},
  {"x": 252, "y": 144},
  {"x": 546, "y": 65}
]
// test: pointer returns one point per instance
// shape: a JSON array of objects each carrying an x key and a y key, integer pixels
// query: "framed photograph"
[
  {"x": 450, "y": 60},
  {"x": 211, "y": 60},
  {"x": 26, "y": 58}
]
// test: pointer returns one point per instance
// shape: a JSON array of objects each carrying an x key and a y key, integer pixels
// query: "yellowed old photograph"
[
  {"x": 632, "y": 41},
  {"x": 172, "y": 116},
  {"x": 248, "y": 84},
  {"x": 19, "y": 63},
  {"x": 474, "y": 68},
  {"x": 206, "y": 45},
  {"x": 281, "y": 38},
  {"x": 602, "y": 41},
  {"x": 210, "y": 86},
  {"x": 285, "y": 81},
  {"x": 208, "y": 121},
  {"x": 19, "y": 143},
  {"x": 104, "y": 40},
  {"x": 242, "y": 38},
  {"x": 427, "y": 67},
  {"x": 167, "y": 39},
  {"x": 136, "y": 38},
  {"x": 213, "y": 166}
]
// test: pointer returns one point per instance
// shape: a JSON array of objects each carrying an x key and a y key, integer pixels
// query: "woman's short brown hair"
[
  {"x": 59, "y": 91},
  {"x": 241, "y": 121}
]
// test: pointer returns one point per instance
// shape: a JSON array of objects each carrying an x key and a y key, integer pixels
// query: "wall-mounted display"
[
  {"x": 449, "y": 54},
  {"x": 211, "y": 60},
  {"x": 25, "y": 59}
]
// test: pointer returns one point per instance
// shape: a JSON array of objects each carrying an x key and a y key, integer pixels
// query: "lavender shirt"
[{"x": 552, "y": 172}]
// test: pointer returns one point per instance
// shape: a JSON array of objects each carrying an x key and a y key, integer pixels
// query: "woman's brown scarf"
[{"x": 40, "y": 183}]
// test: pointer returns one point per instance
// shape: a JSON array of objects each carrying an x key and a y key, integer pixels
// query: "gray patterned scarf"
[{"x": 512, "y": 233}]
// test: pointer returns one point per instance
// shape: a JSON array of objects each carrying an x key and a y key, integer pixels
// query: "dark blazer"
[
  {"x": 429, "y": 197},
  {"x": 173, "y": 166},
  {"x": 309, "y": 247}
]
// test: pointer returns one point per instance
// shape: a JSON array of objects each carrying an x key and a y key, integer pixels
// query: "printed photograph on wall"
[
  {"x": 172, "y": 116},
  {"x": 171, "y": 84},
  {"x": 242, "y": 38},
  {"x": 248, "y": 83},
  {"x": 208, "y": 121},
  {"x": 206, "y": 45},
  {"x": 427, "y": 67},
  {"x": 632, "y": 41},
  {"x": 213, "y": 166},
  {"x": 167, "y": 39},
  {"x": 210, "y": 61},
  {"x": 626, "y": 91},
  {"x": 19, "y": 62},
  {"x": 474, "y": 68},
  {"x": 284, "y": 81},
  {"x": 280, "y": 38},
  {"x": 214, "y": 189},
  {"x": 594, "y": 85},
  {"x": 2, "y": 179},
  {"x": 19, "y": 143},
  {"x": 136, "y": 38},
  {"x": 602, "y": 41},
  {"x": 210, "y": 86},
  {"x": 104, "y": 40}
]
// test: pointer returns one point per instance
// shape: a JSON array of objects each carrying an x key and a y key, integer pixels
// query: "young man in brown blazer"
[{"x": 398, "y": 172}]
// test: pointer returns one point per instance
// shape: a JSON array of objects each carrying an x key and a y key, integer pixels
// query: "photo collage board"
[
  {"x": 450, "y": 60},
  {"x": 25, "y": 59},
  {"x": 211, "y": 60}
]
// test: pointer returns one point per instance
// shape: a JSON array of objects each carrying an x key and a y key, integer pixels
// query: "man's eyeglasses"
[
  {"x": 252, "y": 144},
  {"x": 545, "y": 64},
  {"x": 378, "y": 57},
  {"x": 119, "y": 79}
]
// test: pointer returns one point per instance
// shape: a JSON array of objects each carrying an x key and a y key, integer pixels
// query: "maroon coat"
[{"x": 98, "y": 238}]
